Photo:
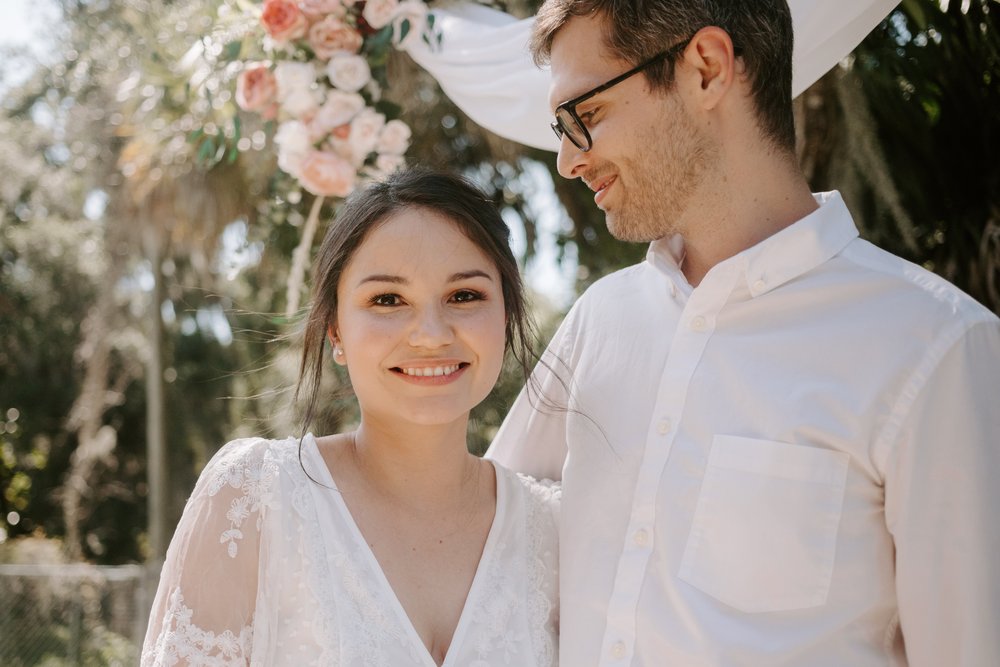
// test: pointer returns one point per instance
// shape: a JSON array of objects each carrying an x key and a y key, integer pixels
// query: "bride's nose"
[{"x": 431, "y": 328}]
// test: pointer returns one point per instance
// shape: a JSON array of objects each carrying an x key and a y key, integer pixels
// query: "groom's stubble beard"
[{"x": 663, "y": 178}]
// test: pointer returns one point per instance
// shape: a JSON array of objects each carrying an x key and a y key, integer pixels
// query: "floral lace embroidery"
[
  {"x": 255, "y": 477},
  {"x": 182, "y": 640},
  {"x": 542, "y": 555}
]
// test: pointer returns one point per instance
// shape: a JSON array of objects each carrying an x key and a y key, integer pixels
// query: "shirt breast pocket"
[{"x": 764, "y": 533}]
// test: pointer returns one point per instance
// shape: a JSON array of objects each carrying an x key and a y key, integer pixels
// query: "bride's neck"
[{"x": 426, "y": 466}]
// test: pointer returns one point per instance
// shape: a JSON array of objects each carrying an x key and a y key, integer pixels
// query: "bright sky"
[{"x": 22, "y": 25}]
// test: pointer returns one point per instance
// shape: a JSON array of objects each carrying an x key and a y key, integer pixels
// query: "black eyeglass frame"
[{"x": 569, "y": 106}]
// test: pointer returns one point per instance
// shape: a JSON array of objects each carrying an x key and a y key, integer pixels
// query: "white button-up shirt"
[{"x": 795, "y": 463}]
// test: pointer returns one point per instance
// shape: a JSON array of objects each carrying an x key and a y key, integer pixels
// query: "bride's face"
[{"x": 420, "y": 320}]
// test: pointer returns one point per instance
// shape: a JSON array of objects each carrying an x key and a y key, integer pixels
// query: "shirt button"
[
  {"x": 759, "y": 285},
  {"x": 664, "y": 427},
  {"x": 698, "y": 323},
  {"x": 641, "y": 537},
  {"x": 618, "y": 650}
]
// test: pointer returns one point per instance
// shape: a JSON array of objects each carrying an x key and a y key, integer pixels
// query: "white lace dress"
[{"x": 267, "y": 567}]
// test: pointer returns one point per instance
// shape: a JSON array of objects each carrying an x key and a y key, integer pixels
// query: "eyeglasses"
[{"x": 569, "y": 123}]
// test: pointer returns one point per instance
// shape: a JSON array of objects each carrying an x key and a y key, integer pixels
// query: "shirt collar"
[{"x": 784, "y": 256}]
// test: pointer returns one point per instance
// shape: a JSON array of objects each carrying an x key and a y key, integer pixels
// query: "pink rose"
[
  {"x": 331, "y": 36},
  {"x": 316, "y": 9},
  {"x": 378, "y": 13},
  {"x": 283, "y": 20},
  {"x": 326, "y": 175},
  {"x": 256, "y": 88}
]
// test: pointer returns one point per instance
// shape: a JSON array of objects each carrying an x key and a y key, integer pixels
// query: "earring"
[{"x": 337, "y": 352}]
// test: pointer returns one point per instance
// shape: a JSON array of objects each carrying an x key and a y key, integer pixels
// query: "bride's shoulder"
[
  {"x": 545, "y": 492},
  {"x": 248, "y": 457}
]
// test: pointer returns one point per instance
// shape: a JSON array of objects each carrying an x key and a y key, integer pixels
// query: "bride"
[{"x": 391, "y": 544}]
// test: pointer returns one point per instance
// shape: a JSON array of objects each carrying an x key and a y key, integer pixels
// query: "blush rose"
[
  {"x": 331, "y": 37},
  {"x": 326, "y": 175},
  {"x": 283, "y": 20},
  {"x": 256, "y": 88}
]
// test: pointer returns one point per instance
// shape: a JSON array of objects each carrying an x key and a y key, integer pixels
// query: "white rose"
[
  {"x": 300, "y": 103},
  {"x": 293, "y": 77},
  {"x": 394, "y": 138},
  {"x": 338, "y": 109},
  {"x": 292, "y": 140},
  {"x": 378, "y": 13},
  {"x": 386, "y": 164},
  {"x": 413, "y": 11},
  {"x": 349, "y": 73},
  {"x": 365, "y": 130}
]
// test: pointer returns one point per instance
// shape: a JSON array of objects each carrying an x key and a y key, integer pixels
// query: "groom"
[{"x": 782, "y": 444}]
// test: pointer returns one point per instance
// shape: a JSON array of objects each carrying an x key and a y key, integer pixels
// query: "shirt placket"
[{"x": 694, "y": 329}]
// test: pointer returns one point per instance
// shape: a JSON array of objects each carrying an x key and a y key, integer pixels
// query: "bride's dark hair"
[{"x": 448, "y": 195}]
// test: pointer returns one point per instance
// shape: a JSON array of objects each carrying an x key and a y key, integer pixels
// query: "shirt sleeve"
[
  {"x": 941, "y": 500},
  {"x": 532, "y": 438},
  {"x": 204, "y": 606}
]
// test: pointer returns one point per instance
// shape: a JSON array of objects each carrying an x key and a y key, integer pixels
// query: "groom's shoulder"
[
  {"x": 623, "y": 284},
  {"x": 911, "y": 292}
]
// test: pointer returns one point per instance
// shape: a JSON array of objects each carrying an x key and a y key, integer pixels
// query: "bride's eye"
[
  {"x": 467, "y": 296},
  {"x": 385, "y": 300}
]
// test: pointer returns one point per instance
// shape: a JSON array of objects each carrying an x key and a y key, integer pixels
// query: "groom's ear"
[{"x": 712, "y": 66}]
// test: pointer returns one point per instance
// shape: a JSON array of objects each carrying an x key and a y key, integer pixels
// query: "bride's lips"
[{"x": 436, "y": 372}]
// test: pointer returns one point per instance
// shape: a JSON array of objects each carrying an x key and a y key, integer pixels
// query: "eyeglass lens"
[{"x": 568, "y": 124}]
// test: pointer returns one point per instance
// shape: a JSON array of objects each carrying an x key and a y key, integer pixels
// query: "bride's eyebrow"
[
  {"x": 383, "y": 278},
  {"x": 465, "y": 275},
  {"x": 400, "y": 280}
]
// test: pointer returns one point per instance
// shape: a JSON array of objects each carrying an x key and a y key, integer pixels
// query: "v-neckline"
[{"x": 387, "y": 590}]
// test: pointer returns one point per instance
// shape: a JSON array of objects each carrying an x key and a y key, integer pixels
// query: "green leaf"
[
  {"x": 231, "y": 51},
  {"x": 206, "y": 150},
  {"x": 915, "y": 10},
  {"x": 404, "y": 29},
  {"x": 380, "y": 41},
  {"x": 390, "y": 109}
]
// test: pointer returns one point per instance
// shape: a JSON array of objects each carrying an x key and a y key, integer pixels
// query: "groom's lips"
[{"x": 600, "y": 187}]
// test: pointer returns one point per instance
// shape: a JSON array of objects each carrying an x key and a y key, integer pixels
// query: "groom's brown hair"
[{"x": 637, "y": 30}]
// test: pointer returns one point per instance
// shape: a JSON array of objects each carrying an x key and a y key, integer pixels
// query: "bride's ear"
[{"x": 338, "y": 348}]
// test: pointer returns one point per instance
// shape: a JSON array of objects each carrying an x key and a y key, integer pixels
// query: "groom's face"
[{"x": 647, "y": 157}]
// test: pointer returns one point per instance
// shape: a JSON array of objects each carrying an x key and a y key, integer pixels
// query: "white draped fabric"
[{"x": 483, "y": 64}]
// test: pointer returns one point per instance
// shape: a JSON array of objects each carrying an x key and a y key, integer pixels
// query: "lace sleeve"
[
  {"x": 542, "y": 518},
  {"x": 204, "y": 605}
]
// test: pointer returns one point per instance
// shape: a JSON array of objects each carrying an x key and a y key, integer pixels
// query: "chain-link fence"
[{"x": 69, "y": 615}]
